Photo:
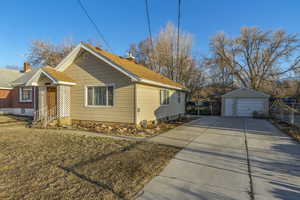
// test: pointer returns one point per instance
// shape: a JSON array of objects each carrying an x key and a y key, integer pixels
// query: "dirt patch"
[
  {"x": 130, "y": 129},
  {"x": 287, "y": 128},
  {"x": 51, "y": 164}
]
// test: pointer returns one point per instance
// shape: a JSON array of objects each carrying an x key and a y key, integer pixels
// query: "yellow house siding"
[
  {"x": 89, "y": 70},
  {"x": 148, "y": 103}
]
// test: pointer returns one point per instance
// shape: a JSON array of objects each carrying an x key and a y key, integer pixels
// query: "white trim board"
[
  {"x": 32, "y": 82},
  {"x": 65, "y": 63}
]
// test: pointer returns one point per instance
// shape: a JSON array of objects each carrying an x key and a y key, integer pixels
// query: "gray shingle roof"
[
  {"x": 245, "y": 93},
  {"x": 7, "y": 76},
  {"x": 26, "y": 77}
]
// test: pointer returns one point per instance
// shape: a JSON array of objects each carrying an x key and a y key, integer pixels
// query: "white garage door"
[{"x": 246, "y": 107}]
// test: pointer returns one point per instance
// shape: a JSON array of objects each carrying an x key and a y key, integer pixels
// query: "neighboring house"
[
  {"x": 244, "y": 102},
  {"x": 12, "y": 100},
  {"x": 93, "y": 84}
]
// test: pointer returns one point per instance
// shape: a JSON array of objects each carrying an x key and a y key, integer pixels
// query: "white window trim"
[
  {"x": 160, "y": 97},
  {"x": 20, "y": 95},
  {"x": 99, "y": 106}
]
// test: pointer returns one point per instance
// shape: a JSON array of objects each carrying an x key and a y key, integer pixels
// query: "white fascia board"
[
  {"x": 161, "y": 85},
  {"x": 49, "y": 76},
  {"x": 32, "y": 81},
  {"x": 72, "y": 55},
  {"x": 5, "y": 88},
  {"x": 65, "y": 83},
  {"x": 29, "y": 82},
  {"x": 57, "y": 81}
]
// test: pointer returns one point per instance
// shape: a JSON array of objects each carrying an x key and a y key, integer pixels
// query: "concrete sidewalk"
[
  {"x": 214, "y": 164},
  {"x": 275, "y": 162},
  {"x": 183, "y": 135}
]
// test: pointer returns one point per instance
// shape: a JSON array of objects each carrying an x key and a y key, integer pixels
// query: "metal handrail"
[{"x": 45, "y": 115}]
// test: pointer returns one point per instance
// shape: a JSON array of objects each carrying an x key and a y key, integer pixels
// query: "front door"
[{"x": 51, "y": 100}]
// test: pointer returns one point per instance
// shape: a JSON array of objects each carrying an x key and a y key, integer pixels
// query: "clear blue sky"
[{"x": 124, "y": 21}]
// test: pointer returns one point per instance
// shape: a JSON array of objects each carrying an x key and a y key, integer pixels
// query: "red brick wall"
[
  {"x": 10, "y": 99},
  {"x": 5, "y": 98},
  {"x": 15, "y": 103}
]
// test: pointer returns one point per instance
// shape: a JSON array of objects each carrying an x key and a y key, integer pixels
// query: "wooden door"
[{"x": 51, "y": 100}]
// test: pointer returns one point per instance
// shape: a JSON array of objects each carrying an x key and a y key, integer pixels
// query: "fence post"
[
  {"x": 292, "y": 114},
  {"x": 281, "y": 114}
]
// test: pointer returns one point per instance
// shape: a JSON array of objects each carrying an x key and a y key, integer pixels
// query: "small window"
[
  {"x": 164, "y": 97},
  {"x": 179, "y": 96},
  {"x": 25, "y": 94},
  {"x": 100, "y": 95}
]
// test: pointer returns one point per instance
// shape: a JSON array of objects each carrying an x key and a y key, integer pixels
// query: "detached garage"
[{"x": 243, "y": 102}]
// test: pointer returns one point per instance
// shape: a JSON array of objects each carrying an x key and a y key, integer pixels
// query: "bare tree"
[
  {"x": 219, "y": 74},
  {"x": 42, "y": 53},
  {"x": 257, "y": 56},
  {"x": 163, "y": 57}
]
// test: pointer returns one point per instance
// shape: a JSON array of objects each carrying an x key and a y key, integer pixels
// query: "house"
[
  {"x": 95, "y": 85},
  {"x": 13, "y": 100},
  {"x": 244, "y": 102}
]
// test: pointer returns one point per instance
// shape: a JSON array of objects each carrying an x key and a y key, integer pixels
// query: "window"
[
  {"x": 164, "y": 97},
  {"x": 179, "y": 96},
  {"x": 25, "y": 94},
  {"x": 100, "y": 95}
]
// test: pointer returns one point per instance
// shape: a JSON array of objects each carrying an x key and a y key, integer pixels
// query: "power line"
[
  {"x": 178, "y": 42},
  {"x": 178, "y": 28},
  {"x": 94, "y": 24},
  {"x": 149, "y": 30},
  {"x": 149, "y": 23}
]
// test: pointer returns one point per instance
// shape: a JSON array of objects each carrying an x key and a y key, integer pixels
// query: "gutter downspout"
[{"x": 135, "y": 104}]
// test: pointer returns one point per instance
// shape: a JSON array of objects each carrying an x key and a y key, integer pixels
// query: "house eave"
[
  {"x": 162, "y": 85},
  {"x": 6, "y": 88}
]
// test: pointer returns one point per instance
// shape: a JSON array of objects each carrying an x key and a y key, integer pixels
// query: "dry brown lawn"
[{"x": 53, "y": 164}]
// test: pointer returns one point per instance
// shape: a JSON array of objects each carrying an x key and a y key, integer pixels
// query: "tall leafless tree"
[
  {"x": 162, "y": 57},
  {"x": 257, "y": 56},
  {"x": 42, "y": 53}
]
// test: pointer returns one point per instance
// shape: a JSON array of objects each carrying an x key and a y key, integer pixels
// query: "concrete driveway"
[{"x": 228, "y": 158}]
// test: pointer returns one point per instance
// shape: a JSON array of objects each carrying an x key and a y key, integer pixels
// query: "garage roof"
[{"x": 246, "y": 93}]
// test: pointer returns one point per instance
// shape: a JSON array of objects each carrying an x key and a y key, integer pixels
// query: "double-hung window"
[
  {"x": 164, "y": 97},
  {"x": 100, "y": 95},
  {"x": 25, "y": 94}
]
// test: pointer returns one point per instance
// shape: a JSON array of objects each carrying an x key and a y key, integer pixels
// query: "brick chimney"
[{"x": 26, "y": 67}]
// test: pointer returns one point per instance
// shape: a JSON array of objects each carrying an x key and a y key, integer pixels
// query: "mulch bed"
[
  {"x": 130, "y": 129},
  {"x": 287, "y": 128}
]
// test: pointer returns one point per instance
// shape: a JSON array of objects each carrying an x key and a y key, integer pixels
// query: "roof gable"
[
  {"x": 133, "y": 70},
  {"x": 30, "y": 77},
  {"x": 246, "y": 93}
]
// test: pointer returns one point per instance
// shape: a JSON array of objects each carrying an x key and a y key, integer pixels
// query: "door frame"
[{"x": 47, "y": 98}]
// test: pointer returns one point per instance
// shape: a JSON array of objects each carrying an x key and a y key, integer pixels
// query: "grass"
[
  {"x": 52, "y": 164},
  {"x": 291, "y": 130}
]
